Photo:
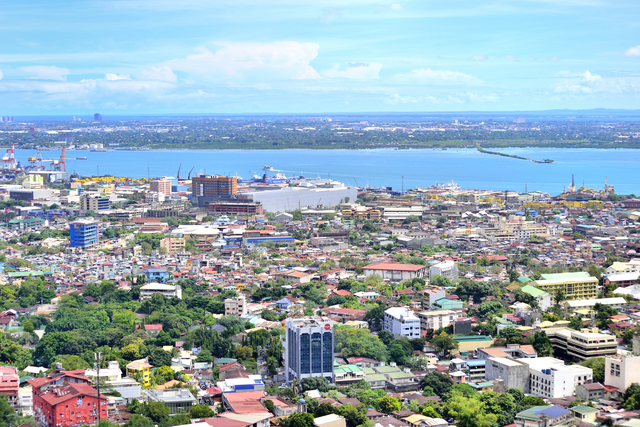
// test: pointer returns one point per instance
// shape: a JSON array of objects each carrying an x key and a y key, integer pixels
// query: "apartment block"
[
  {"x": 435, "y": 319},
  {"x": 575, "y": 286},
  {"x": 235, "y": 306},
  {"x": 401, "y": 321}
]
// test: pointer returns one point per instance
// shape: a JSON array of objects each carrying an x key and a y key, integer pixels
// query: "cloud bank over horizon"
[{"x": 142, "y": 56}]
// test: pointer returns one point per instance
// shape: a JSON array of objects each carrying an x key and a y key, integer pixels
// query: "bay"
[{"x": 381, "y": 167}]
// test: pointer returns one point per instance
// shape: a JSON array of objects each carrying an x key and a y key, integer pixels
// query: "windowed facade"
[{"x": 309, "y": 348}]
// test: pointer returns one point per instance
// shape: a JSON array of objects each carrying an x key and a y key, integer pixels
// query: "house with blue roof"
[
  {"x": 544, "y": 416},
  {"x": 283, "y": 304},
  {"x": 156, "y": 274}
]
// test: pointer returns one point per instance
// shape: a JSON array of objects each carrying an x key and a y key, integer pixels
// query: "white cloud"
[
  {"x": 513, "y": 58},
  {"x": 276, "y": 61},
  {"x": 397, "y": 7},
  {"x": 43, "y": 72},
  {"x": 354, "y": 70},
  {"x": 0, "y": 75},
  {"x": 588, "y": 83},
  {"x": 162, "y": 73},
  {"x": 436, "y": 76},
  {"x": 633, "y": 51},
  {"x": 479, "y": 58},
  {"x": 113, "y": 77}
]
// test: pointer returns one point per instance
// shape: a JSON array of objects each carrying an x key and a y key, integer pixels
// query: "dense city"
[
  {"x": 324, "y": 132},
  {"x": 211, "y": 301}
]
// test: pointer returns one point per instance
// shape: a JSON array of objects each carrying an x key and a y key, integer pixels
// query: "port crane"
[
  {"x": 60, "y": 165},
  {"x": 9, "y": 160}
]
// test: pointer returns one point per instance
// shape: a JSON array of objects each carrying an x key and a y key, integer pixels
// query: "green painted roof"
[
  {"x": 347, "y": 369},
  {"x": 583, "y": 409},
  {"x": 472, "y": 338},
  {"x": 533, "y": 291},
  {"x": 523, "y": 279},
  {"x": 25, "y": 273}
]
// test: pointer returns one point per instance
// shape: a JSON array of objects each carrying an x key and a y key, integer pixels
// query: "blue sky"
[{"x": 297, "y": 56}]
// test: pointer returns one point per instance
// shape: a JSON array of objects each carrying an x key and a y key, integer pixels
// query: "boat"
[
  {"x": 81, "y": 158},
  {"x": 449, "y": 186}
]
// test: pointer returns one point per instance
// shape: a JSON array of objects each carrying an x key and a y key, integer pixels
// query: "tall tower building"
[
  {"x": 161, "y": 185},
  {"x": 308, "y": 351},
  {"x": 97, "y": 117},
  {"x": 208, "y": 188}
]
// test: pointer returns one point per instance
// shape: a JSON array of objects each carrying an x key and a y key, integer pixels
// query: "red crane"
[
  {"x": 8, "y": 160},
  {"x": 59, "y": 165}
]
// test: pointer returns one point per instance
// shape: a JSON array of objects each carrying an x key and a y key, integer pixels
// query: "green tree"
[
  {"x": 202, "y": 411},
  {"x": 439, "y": 383},
  {"x": 205, "y": 356},
  {"x": 597, "y": 365},
  {"x": 299, "y": 419},
  {"x": 297, "y": 215},
  {"x": 270, "y": 406},
  {"x": 469, "y": 412},
  {"x": 444, "y": 343},
  {"x": 389, "y": 404},
  {"x": 352, "y": 342},
  {"x": 157, "y": 411},
  {"x": 137, "y": 420},
  {"x": 541, "y": 343}
]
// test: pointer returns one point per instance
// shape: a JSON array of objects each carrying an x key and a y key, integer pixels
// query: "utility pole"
[{"x": 98, "y": 357}]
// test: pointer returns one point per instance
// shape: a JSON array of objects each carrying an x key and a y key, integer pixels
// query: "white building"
[
  {"x": 621, "y": 372},
  {"x": 168, "y": 291},
  {"x": 551, "y": 378},
  {"x": 367, "y": 295},
  {"x": 401, "y": 321},
  {"x": 127, "y": 387},
  {"x": 447, "y": 268},
  {"x": 545, "y": 377},
  {"x": 436, "y": 319},
  {"x": 395, "y": 272},
  {"x": 235, "y": 306}
]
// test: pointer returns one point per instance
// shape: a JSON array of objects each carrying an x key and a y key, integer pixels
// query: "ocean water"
[{"x": 383, "y": 167}]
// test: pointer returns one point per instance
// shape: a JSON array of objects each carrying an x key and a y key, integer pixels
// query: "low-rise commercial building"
[
  {"x": 395, "y": 272},
  {"x": 177, "y": 400},
  {"x": 167, "y": 291},
  {"x": 447, "y": 268},
  {"x": 580, "y": 346}
]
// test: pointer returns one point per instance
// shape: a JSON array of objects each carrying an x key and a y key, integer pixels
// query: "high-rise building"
[
  {"x": 97, "y": 117},
  {"x": 308, "y": 350},
  {"x": 160, "y": 185},
  {"x": 208, "y": 188},
  {"x": 83, "y": 233}
]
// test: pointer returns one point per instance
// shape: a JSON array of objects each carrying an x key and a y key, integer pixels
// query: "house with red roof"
[{"x": 66, "y": 398}]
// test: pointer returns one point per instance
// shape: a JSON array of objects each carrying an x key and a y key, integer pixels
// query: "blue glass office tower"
[
  {"x": 83, "y": 233},
  {"x": 308, "y": 350}
]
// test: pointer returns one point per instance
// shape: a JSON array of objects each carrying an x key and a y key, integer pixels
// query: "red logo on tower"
[{"x": 327, "y": 326}]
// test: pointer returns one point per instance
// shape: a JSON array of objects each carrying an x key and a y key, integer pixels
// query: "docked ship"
[{"x": 448, "y": 186}]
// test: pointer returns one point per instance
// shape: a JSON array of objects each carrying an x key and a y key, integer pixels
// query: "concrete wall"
[{"x": 513, "y": 373}]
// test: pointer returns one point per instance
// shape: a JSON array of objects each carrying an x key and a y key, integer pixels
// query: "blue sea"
[{"x": 380, "y": 168}]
